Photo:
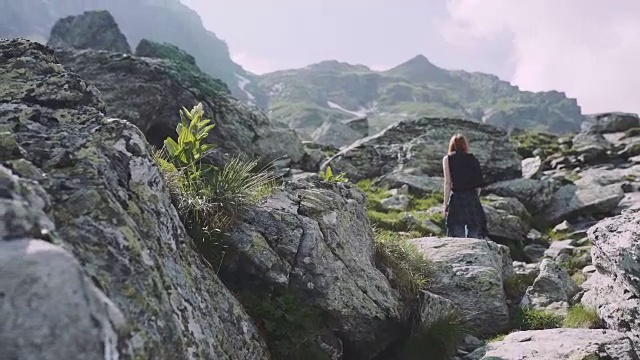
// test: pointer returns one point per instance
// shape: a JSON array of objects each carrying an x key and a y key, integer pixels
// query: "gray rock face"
[
  {"x": 531, "y": 167},
  {"x": 65, "y": 314},
  {"x": 420, "y": 144},
  {"x": 150, "y": 93},
  {"x": 613, "y": 122},
  {"x": 571, "y": 201},
  {"x": 503, "y": 225},
  {"x": 471, "y": 273},
  {"x": 317, "y": 242},
  {"x": 552, "y": 289},
  {"x": 92, "y": 30},
  {"x": 335, "y": 133},
  {"x": 535, "y": 195},
  {"x": 559, "y": 344},
  {"x": 418, "y": 184},
  {"x": 89, "y": 185}
]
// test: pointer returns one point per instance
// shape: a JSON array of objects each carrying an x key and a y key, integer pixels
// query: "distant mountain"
[
  {"x": 334, "y": 91},
  {"x": 157, "y": 20}
]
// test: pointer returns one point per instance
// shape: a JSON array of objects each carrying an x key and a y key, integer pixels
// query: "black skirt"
[{"x": 465, "y": 208}]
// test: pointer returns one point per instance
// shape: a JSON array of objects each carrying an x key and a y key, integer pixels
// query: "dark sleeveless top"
[{"x": 465, "y": 170}]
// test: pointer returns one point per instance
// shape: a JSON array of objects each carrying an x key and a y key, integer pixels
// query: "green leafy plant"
[
  {"x": 208, "y": 198},
  {"x": 192, "y": 130},
  {"x": 328, "y": 176}
]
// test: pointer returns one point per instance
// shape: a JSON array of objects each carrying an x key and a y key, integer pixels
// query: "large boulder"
[
  {"x": 316, "y": 241},
  {"x": 571, "y": 201},
  {"x": 420, "y": 144},
  {"x": 471, "y": 273},
  {"x": 552, "y": 289},
  {"x": 89, "y": 185},
  {"x": 73, "y": 319},
  {"x": 335, "y": 133},
  {"x": 614, "y": 289},
  {"x": 149, "y": 90},
  {"x": 92, "y": 30},
  {"x": 612, "y": 122},
  {"x": 559, "y": 344},
  {"x": 534, "y": 194}
]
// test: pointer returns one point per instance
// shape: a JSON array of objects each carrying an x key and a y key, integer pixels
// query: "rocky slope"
[
  {"x": 150, "y": 88},
  {"x": 333, "y": 91},
  {"x": 157, "y": 20}
]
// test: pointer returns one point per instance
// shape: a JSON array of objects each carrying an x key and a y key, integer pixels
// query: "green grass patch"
[
  {"x": 579, "y": 316},
  {"x": 579, "y": 278},
  {"x": 527, "y": 142},
  {"x": 411, "y": 270},
  {"x": 533, "y": 319}
]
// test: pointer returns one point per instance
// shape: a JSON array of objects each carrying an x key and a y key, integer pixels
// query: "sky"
[{"x": 589, "y": 49}]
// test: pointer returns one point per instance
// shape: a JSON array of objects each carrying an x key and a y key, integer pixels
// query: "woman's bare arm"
[{"x": 447, "y": 181}]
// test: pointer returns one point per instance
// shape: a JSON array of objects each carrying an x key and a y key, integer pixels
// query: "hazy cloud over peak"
[{"x": 586, "y": 48}]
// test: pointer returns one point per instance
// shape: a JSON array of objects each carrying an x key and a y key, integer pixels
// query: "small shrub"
[
  {"x": 291, "y": 327},
  {"x": 436, "y": 342},
  {"x": 533, "y": 319},
  {"x": 633, "y": 132},
  {"x": 515, "y": 286},
  {"x": 497, "y": 338},
  {"x": 579, "y": 278},
  {"x": 580, "y": 317},
  {"x": 328, "y": 176},
  {"x": 411, "y": 270}
]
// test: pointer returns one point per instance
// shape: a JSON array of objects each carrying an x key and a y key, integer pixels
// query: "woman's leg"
[
  {"x": 474, "y": 232},
  {"x": 456, "y": 231}
]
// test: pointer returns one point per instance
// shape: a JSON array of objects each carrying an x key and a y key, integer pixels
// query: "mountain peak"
[{"x": 421, "y": 69}]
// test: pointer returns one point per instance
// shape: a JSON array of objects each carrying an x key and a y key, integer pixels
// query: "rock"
[
  {"x": 608, "y": 175},
  {"x": 511, "y": 206},
  {"x": 436, "y": 308},
  {"x": 613, "y": 122},
  {"x": 558, "y": 248},
  {"x": 531, "y": 167},
  {"x": 316, "y": 241},
  {"x": 432, "y": 227},
  {"x": 471, "y": 273},
  {"x": 420, "y": 144},
  {"x": 571, "y": 201},
  {"x": 93, "y": 189},
  {"x": 552, "y": 289},
  {"x": 616, "y": 306},
  {"x": 402, "y": 190},
  {"x": 616, "y": 250},
  {"x": 558, "y": 344},
  {"x": 51, "y": 310},
  {"x": 335, "y": 133},
  {"x": 534, "y": 235},
  {"x": 563, "y": 227},
  {"x": 526, "y": 270},
  {"x": 418, "y": 184},
  {"x": 359, "y": 125},
  {"x": 150, "y": 93},
  {"x": 535, "y": 252},
  {"x": 92, "y": 30},
  {"x": 396, "y": 202},
  {"x": 502, "y": 225},
  {"x": 535, "y": 195}
]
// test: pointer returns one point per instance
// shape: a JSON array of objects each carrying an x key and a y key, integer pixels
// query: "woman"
[{"x": 462, "y": 182}]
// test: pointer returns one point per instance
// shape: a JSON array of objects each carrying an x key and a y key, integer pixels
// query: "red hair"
[{"x": 458, "y": 143}]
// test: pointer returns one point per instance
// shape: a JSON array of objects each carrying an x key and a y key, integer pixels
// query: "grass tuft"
[
  {"x": 411, "y": 270},
  {"x": 533, "y": 319},
  {"x": 439, "y": 341},
  {"x": 579, "y": 316}
]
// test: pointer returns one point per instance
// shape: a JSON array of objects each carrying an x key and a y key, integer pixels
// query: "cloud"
[
  {"x": 253, "y": 64},
  {"x": 587, "y": 48}
]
